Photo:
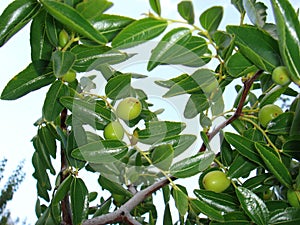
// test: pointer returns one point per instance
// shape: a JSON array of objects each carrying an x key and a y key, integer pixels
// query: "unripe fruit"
[
  {"x": 70, "y": 76},
  {"x": 280, "y": 75},
  {"x": 267, "y": 113},
  {"x": 129, "y": 108},
  {"x": 63, "y": 38},
  {"x": 114, "y": 131},
  {"x": 293, "y": 198},
  {"x": 216, "y": 181}
]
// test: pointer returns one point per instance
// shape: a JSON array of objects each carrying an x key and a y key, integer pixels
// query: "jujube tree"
[{"x": 116, "y": 134}]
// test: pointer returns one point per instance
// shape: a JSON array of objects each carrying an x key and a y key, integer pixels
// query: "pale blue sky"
[{"x": 17, "y": 117}]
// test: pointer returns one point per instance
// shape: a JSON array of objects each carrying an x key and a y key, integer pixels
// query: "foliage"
[
  {"x": 261, "y": 162},
  {"x": 8, "y": 190}
]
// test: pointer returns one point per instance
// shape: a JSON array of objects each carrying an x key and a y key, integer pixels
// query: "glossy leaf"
[
  {"x": 272, "y": 95},
  {"x": 274, "y": 165},
  {"x": 186, "y": 11},
  {"x": 254, "y": 207},
  {"x": 48, "y": 140},
  {"x": 79, "y": 201},
  {"x": 74, "y": 20},
  {"x": 285, "y": 216},
  {"x": 241, "y": 167},
  {"x": 181, "y": 200},
  {"x": 238, "y": 65},
  {"x": 53, "y": 28},
  {"x": 113, "y": 187},
  {"x": 192, "y": 83},
  {"x": 155, "y": 5},
  {"x": 211, "y": 18},
  {"x": 62, "y": 190},
  {"x": 92, "y": 57},
  {"x": 41, "y": 48},
  {"x": 92, "y": 113},
  {"x": 103, "y": 151},
  {"x": 139, "y": 32},
  {"x": 162, "y": 156},
  {"x": 26, "y": 81},
  {"x": 258, "y": 46},
  {"x": 201, "y": 207},
  {"x": 110, "y": 25},
  {"x": 169, "y": 83},
  {"x": 219, "y": 201},
  {"x": 52, "y": 107},
  {"x": 118, "y": 87},
  {"x": 244, "y": 146},
  {"x": 169, "y": 46},
  {"x": 281, "y": 125},
  {"x": 167, "y": 220},
  {"x": 196, "y": 104},
  {"x": 256, "y": 12},
  {"x": 62, "y": 62},
  {"x": 256, "y": 183},
  {"x": 192, "y": 165},
  {"x": 15, "y": 17},
  {"x": 93, "y": 8},
  {"x": 295, "y": 129},
  {"x": 288, "y": 29}
]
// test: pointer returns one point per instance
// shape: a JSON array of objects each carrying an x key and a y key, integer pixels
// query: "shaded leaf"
[
  {"x": 93, "y": 8},
  {"x": 62, "y": 190},
  {"x": 186, "y": 11},
  {"x": 256, "y": 12},
  {"x": 196, "y": 104},
  {"x": 118, "y": 87},
  {"x": 155, "y": 5},
  {"x": 211, "y": 18},
  {"x": 181, "y": 200},
  {"x": 281, "y": 125},
  {"x": 162, "y": 156},
  {"x": 113, "y": 187},
  {"x": 201, "y": 207},
  {"x": 62, "y": 62}
]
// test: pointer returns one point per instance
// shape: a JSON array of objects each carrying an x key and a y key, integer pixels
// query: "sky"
[{"x": 17, "y": 117}]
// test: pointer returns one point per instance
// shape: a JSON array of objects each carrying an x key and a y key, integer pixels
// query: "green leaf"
[
  {"x": 74, "y": 20},
  {"x": 52, "y": 107},
  {"x": 167, "y": 215},
  {"x": 196, "y": 104},
  {"x": 26, "y": 81},
  {"x": 169, "y": 46},
  {"x": 162, "y": 156},
  {"x": 186, "y": 11},
  {"x": 292, "y": 148},
  {"x": 113, "y": 187},
  {"x": 241, "y": 167},
  {"x": 169, "y": 83},
  {"x": 193, "y": 83},
  {"x": 238, "y": 4},
  {"x": 281, "y": 125},
  {"x": 238, "y": 65},
  {"x": 225, "y": 44},
  {"x": 53, "y": 28},
  {"x": 46, "y": 218},
  {"x": 48, "y": 140},
  {"x": 257, "y": 45},
  {"x": 103, "y": 151},
  {"x": 93, "y": 8},
  {"x": 211, "y": 18},
  {"x": 158, "y": 130},
  {"x": 275, "y": 165},
  {"x": 285, "y": 216},
  {"x": 254, "y": 207},
  {"x": 201, "y": 207},
  {"x": 272, "y": 95},
  {"x": 256, "y": 12},
  {"x": 118, "y": 87},
  {"x": 256, "y": 183},
  {"x": 155, "y": 5},
  {"x": 62, "y": 62},
  {"x": 219, "y": 201},
  {"x": 244, "y": 146},
  {"x": 295, "y": 129},
  {"x": 41, "y": 48},
  {"x": 110, "y": 25},
  {"x": 139, "y": 32},
  {"x": 288, "y": 29},
  {"x": 181, "y": 201},
  {"x": 79, "y": 201},
  {"x": 15, "y": 17},
  {"x": 92, "y": 57},
  {"x": 92, "y": 113},
  {"x": 192, "y": 165},
  {"x": 62, "y": 190}
]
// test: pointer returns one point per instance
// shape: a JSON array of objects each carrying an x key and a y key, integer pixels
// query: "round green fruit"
[
  {"x": 129, "y": 108},
  {"x": 216, "y": 181},
  {"x": 114, "y": 131},
  {"x": 267, "y": 113},
  {"x": 293, "y": 198},
  {"x": 63, "y": 38},
  {"x": 70, "y": 76},
  {"x": 280, "y": 75}
]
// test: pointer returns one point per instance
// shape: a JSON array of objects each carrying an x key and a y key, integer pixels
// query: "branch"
[
  {"x": 238, "y": 112},
  {"x": 123, "y": 213}
]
